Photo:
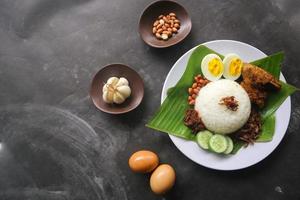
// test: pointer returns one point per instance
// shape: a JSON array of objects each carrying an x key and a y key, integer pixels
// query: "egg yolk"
[
  {"x": 235, "y": 67},
  {"x": 215, "y": 67}
]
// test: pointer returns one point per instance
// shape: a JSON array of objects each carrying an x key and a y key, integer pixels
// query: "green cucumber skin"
[
  {"x": 221, "y": 147},
  {"x": 229, "y": 146},
  {"x": 203, "y": 138}
]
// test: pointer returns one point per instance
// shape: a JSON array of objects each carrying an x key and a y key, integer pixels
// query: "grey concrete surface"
[{"x": 55, "y": 145}]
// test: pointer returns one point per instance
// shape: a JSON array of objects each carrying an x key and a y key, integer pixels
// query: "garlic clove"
[
  {"x": 124, "y": 90},
  {"x": 108, "y": 97},
  {"x": 104, "y": 89},
  {"x": 122, "y": 81},
  {"x": 112, "y": 81},
  {"x": 118, "y": 98}
]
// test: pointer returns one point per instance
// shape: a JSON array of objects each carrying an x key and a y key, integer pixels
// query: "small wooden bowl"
[
  {"x": 152, "y": 12},
  {"x": 118, "y": 70}
]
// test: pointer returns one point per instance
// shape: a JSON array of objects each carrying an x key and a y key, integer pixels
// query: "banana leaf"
[{"x": 169, "y": 117}]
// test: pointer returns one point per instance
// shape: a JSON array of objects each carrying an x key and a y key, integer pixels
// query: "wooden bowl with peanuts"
[{"x": 164, "y": 23}]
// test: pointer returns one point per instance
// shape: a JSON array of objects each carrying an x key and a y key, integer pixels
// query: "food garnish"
[
  {"x": 199, "y": 82},
  {"x": 216, "y": 143},
  {"x": 193, "y": 121},
  {"x": 165, "y": 26},
  {"x": 116, "y": 90},
  {"x": 212, "y": 67},
  {"x": 230, "y": 103},
  {"x": 202, "y": 138},
  {"x": 232, "y": 66},
  {"x": 251, "y": 130}
]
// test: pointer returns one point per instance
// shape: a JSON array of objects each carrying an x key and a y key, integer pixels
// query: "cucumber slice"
[
  {"x": 202, "y": 138},
  {"x": 218, "y": 143},
  {"x": 229, "y": 145}
]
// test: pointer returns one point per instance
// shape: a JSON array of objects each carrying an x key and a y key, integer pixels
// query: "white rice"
[{"x": 218, "y": 118}]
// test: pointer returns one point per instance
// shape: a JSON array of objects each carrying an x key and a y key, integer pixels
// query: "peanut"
[
  {"x": 192, "y": 102},
  {"x": 165, "y": 26},
  {"x": 154, "y": 30},
  {"x": 158, "y": 36},
  {"x": 177, "y": 21},
  {"x": 164, "y": 36},
  {"x": 159, "y": 31}
]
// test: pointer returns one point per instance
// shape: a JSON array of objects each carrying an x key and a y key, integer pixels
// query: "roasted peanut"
[
  {"x": 159, "y": 30},
  {"x": 165, "y": 26},
  {"x": 158, "y": 36},
  {"x": 177, "y": 21},
  {"x": 171, "y": 23},
  {"x": 192, "y": 102},
  {"x": 154, "y": 30},
  {"x": 164, "y": 36}
]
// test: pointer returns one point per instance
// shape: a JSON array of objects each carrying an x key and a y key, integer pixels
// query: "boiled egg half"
[
  {"x": 232, "y": 66},
  {"x": 212, "y": 67}
]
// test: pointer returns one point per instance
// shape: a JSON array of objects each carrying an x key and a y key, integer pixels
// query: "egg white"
[
  {"x": 204, "y": 67},
  {"x": 226, "y": 61}
]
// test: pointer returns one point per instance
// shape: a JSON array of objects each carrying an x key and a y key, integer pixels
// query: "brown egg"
[
  {"x": 143, "y": 161},
  {"x": 162, "y": 179}
]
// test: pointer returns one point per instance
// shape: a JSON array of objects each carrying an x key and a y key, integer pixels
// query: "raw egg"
[
  {"x": 143, "y": 161},
  {"x": 212, "y": 67},
  {"x": 162, "y": 179},
  {"x": 232, "y": 66}
]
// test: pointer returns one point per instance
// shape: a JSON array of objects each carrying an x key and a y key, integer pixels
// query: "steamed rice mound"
[{"x": 216, "y": 117}]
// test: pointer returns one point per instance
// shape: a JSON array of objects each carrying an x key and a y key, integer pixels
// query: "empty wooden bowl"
[
  {"x": 118, "y": 70},
  {"x": 151, "y": 14}
]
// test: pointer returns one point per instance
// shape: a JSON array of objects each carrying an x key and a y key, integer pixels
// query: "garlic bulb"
[{"x": 116, "y": 90}]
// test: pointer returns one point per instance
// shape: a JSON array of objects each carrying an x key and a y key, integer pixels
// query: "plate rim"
[{"x": 163, "y": 96}]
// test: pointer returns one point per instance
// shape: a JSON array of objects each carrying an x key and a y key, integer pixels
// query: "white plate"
[{"x": 246, "y": 156}]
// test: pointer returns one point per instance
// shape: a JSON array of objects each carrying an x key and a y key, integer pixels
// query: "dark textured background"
[{"x": 56, "y": 145}]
